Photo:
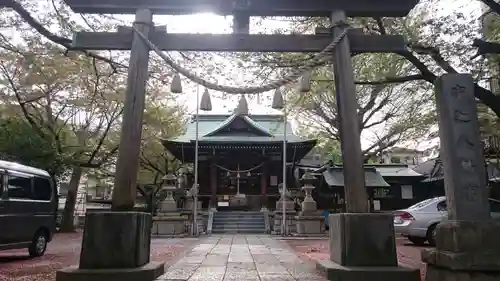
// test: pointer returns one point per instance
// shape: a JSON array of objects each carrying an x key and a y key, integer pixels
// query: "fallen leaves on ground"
[
  {"x": 314, "y": 250},
  {"x": 64, "y": 251}
]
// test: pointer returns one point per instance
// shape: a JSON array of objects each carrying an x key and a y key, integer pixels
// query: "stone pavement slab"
[{"x": 241, "y": 257}]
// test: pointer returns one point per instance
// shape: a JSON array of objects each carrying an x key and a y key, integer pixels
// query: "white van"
[{"x": 28, "y": 208}]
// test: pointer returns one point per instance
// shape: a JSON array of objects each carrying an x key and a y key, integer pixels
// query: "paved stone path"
[{"x": 241, "y": 257}]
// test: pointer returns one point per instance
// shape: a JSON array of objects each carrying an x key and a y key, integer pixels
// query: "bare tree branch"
[
  {"x": 393, "y": 80},
  {"x": 381, "y": 26},
  {"x": 493, "y": 5},
  {"x": 65, "y": 42},
  {"x": 24, "y": 110}
]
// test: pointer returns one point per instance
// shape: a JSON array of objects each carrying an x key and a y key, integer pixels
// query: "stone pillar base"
[
  {"x": 168, "y": 205},
  {"x": 189, "y": 204},
  {"x": 200, "y": 222},
  {"x": 466, "y": 250},
  {"x": 169, "y": 226},
  {"x": 362, "y": 247},
  {"x": 334, "y": 271},
  {"x": 290, "y": 222},
  {"x": 444, "y": 274},
  {"x": 115, "y": 246},
  {"x": 362, "y": 239},
  {"x": 308, "y": 206},
  {"x": 148, "y": 272},
  {"x": 289, "y": 206},
  {"x": 309, "y": 225}
]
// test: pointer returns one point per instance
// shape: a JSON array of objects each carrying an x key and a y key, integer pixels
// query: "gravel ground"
[
  {"x": 64, "y": 250},
  {"x": 312, "y": 250}
]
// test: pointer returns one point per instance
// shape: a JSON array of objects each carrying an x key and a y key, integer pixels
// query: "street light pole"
[
  {"x": 238, "y": 182},
  {"x": 195, "y": 207},
  {"x": 279, "y": 103},
  {"x": 283, "y": 190},
  {"x": 205, "y": 105}
]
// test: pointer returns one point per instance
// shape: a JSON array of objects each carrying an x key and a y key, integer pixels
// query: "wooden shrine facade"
[{"x": 239, "y": 153}]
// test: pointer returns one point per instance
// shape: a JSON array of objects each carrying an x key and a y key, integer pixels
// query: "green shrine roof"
[
  {"x": 334, "y": 176},
  {"x": 238, "y": 129}
]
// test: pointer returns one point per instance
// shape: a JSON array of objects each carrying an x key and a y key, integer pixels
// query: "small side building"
[
  {"x": 389, "y": 186},
  {"x": 334, "y": 179},
  {"x": 403, "y": 190}
]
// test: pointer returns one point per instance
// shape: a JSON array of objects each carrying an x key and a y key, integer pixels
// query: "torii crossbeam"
[
  {"x": 122, "y": 40},
  {"x": 259, "y": 8}
]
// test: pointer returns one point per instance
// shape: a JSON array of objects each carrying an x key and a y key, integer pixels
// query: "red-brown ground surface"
[
  {"x": 64, "y": 250},
  {"x": 408, "y": 255}
]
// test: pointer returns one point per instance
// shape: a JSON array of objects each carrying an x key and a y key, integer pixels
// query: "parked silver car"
[{"x": 418, "y": 222}]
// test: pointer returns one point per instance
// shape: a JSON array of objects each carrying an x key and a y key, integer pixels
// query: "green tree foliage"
[
  {"x": 74, "y": 99},
  {"x": 388, "y": 114},
  {"x": 327, "y": 148},
  {"x": 19, "y": 142},
  {"x": 490, "y": 123},
  {"x": 162, "y": 120}
]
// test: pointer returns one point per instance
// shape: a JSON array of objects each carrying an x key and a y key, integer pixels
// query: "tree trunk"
[
  {"x": 488, "y": 98},
  {"x": 69, "y": 207},
  {"x": 53, "y": 179}
]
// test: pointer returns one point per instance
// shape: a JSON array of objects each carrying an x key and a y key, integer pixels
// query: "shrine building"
[{"x": 240, "y": 158}]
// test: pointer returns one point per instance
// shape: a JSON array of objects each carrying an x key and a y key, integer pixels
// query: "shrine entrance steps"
[{"x": 238, "y": 222}]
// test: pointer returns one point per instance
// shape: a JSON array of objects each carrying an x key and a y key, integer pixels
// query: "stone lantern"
[
  {"x": 309, "y": 221},
  {"x": 169, "y": 222},
  {"x": 169, "y": 185},
  {"x": 308, "y": 205}
]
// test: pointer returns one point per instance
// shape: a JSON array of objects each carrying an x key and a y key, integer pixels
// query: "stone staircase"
[{"x": 238, "y": 222}]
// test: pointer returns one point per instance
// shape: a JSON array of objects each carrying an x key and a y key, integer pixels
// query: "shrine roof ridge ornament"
[
  {"x": 246, "y": 119},
  {"x": 318, "y": 8}
]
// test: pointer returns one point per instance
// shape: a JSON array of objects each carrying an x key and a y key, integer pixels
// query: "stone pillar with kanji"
[{"x": 466, "y": 243}]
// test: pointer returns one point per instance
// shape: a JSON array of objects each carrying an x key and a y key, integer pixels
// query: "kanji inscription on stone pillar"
[{"x": 461, "y": 148}]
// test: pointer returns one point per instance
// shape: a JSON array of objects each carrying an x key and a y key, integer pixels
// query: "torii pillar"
[
  {"x": 116, "y": 244},
  {"x": 362, "y": 244},
  {"x": 466, "y": 243}
]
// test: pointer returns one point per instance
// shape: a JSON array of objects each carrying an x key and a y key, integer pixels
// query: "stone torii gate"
[{"x": 118, "y": 242}]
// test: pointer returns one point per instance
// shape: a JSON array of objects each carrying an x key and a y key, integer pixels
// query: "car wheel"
[
  {"x": 38, "y": 245},
  {"x": 419, "y": 241},
  {"x": 431, "y": 235}
]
